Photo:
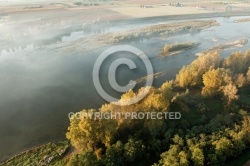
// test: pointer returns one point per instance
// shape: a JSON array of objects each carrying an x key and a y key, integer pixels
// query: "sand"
[
  {"x": 138, "y": 12},
  {"x": 58, "y": 10}
]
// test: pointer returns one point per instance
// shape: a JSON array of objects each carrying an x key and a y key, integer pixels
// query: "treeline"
[{"x": 213, "y": 128}]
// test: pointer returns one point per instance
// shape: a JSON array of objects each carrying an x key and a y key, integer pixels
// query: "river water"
[{"x": 39, "y": 86}]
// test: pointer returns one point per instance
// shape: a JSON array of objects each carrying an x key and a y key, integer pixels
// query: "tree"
[
  {"x": 230, "y": 93},
  {"x": 155, "y": 100},
  {"x": 115, "y": 155},
  {"x": 174, "y": 157},
  {"x": 223, "y": 147},
  {"x": 126, "y": 97},
  {"x": 198, "y": 156},
  {"x": 214, "y": 80},
  {"x": 248, "y": 76},
  {"x": 238, "y": 62},
  {"x": 89, "y": 134},
  {"x": 134, "y": 149},
  {"x": 240, "y": 80},
  {"x": 191, "y": 75}
]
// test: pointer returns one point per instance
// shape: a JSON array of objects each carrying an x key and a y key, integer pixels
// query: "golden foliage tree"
[
  {"x": 191, "y": 75},
  {"x": 88, "y": 134},
  {"x": 230, "y": 93},
  {"x": 214, "y": 80}
]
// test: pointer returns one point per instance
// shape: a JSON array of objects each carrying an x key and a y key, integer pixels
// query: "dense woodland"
[{"x": 213, "y": 96}]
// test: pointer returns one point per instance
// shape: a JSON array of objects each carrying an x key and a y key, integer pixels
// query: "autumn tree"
[
  {"x": 240, "y": 80},
  {"x": 238, "y": 62},
  {"x": 214, "y": 80},
  {"x": 198, "y": 156},
  {"x": 230, "y": 93},
  {"x": 223, "y": 147},
  {"x": 90, "y": 134},
  {"x": 191, "y": 75}
]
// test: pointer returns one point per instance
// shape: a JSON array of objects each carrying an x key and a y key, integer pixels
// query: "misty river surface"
[{"x": 40, "y": 86}]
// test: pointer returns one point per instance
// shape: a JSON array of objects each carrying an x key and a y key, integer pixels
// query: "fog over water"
[{"x": 40, "y": 85}]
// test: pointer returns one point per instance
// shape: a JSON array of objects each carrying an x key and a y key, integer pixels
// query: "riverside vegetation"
[
  {"x": 171, "y": 49},
  {"x": 225, "y": 46},
  {"x": 167, "y": 29},
  {"x": 212, "y": 95},
  {"x": 160, "y": 30}
]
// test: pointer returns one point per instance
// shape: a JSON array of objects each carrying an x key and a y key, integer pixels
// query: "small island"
[
  {"x": 225, "y": 46},
  {"x": 242, "y": 20},
  {"x": 172, "y": 49}
]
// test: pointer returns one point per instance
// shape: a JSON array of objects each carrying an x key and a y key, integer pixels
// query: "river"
[{"x": 39, "y": 86}]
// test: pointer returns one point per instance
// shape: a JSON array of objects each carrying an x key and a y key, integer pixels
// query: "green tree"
[
  {"x": 134, "y": 150},
  {"x": 115, "y": 155},
  {"x": 174, "y": 157}
]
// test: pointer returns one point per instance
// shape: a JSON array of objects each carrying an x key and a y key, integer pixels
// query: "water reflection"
[{"x": 48, "y": 33}]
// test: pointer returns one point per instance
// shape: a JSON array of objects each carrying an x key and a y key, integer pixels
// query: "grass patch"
[{"x": 48, "y": 154}]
